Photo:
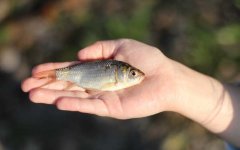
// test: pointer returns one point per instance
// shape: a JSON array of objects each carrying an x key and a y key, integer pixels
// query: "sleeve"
[{"x": 229, "y": 146}]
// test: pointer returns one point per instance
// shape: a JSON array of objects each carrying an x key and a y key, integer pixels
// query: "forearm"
[{"x": 212, "y": 104}]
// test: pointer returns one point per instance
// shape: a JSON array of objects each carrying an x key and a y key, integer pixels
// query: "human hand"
[
  {"x": 168, "y": 86},
  {"x": 151, "y": 96}
]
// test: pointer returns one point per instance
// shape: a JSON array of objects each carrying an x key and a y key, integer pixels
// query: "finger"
[
  {"x": 47, "y": 96},
  {"x": 48, "y": 83},
  {"x": 52, "y": 66},
  {"x": 62, "y": 85},
  {"x": 31, "y": 83},
  {"x": 91, "y": 106},
  {"x": 99, "y": 50}
]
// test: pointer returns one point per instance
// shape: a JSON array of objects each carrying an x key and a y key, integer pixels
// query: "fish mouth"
[{"x": 142, "y": 76}]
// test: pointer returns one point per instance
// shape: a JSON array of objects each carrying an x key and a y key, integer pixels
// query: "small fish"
[{"x": 105, "y": 75}]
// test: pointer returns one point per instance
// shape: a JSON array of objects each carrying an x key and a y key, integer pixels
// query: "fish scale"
[
  {"x": 106, "y": 75},
  {"x": 100, "y": 71}
]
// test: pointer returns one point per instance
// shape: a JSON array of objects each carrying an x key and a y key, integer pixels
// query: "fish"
[{"x": 103, "y": 75}]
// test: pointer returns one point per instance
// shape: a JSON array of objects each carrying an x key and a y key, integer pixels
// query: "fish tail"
[{"x": 46, "y": 74}]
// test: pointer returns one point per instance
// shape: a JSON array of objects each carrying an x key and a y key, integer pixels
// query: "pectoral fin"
[{"x": 109, "y": 86}]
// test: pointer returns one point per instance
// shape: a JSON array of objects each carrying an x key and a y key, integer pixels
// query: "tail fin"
[{"x": 46, "y": 74}]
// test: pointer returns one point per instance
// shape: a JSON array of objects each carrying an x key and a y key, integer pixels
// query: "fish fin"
[
  {"x": 92, "y": 91},
  {"x": 69, "y": 86},
  {"x": 109, "y": 86},
  {"x": 45, "y": 74},
  {"x": 49, "y": 82}
]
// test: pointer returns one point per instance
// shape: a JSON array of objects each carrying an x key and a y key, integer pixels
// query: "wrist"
[{"x": 203, "y": 99}]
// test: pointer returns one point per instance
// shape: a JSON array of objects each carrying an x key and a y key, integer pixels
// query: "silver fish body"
[{"x": 107, "y": 75}]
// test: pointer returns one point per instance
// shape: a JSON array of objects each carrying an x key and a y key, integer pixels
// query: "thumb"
[{"x": 99, "y": 50}]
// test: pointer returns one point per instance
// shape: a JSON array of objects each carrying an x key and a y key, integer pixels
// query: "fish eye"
[{"x": 133, "y": 73}]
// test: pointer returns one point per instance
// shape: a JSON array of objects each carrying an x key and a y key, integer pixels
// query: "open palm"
[{"x": 151, "y": 96}]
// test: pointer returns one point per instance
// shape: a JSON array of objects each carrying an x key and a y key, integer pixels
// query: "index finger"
[{"x": 99, "y": 50}]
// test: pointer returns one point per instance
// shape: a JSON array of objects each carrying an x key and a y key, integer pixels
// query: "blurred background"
[{"x": 204, "y": 35}]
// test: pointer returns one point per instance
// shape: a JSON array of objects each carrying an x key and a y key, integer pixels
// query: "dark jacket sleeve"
[{"x": 231, "y": 147}]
